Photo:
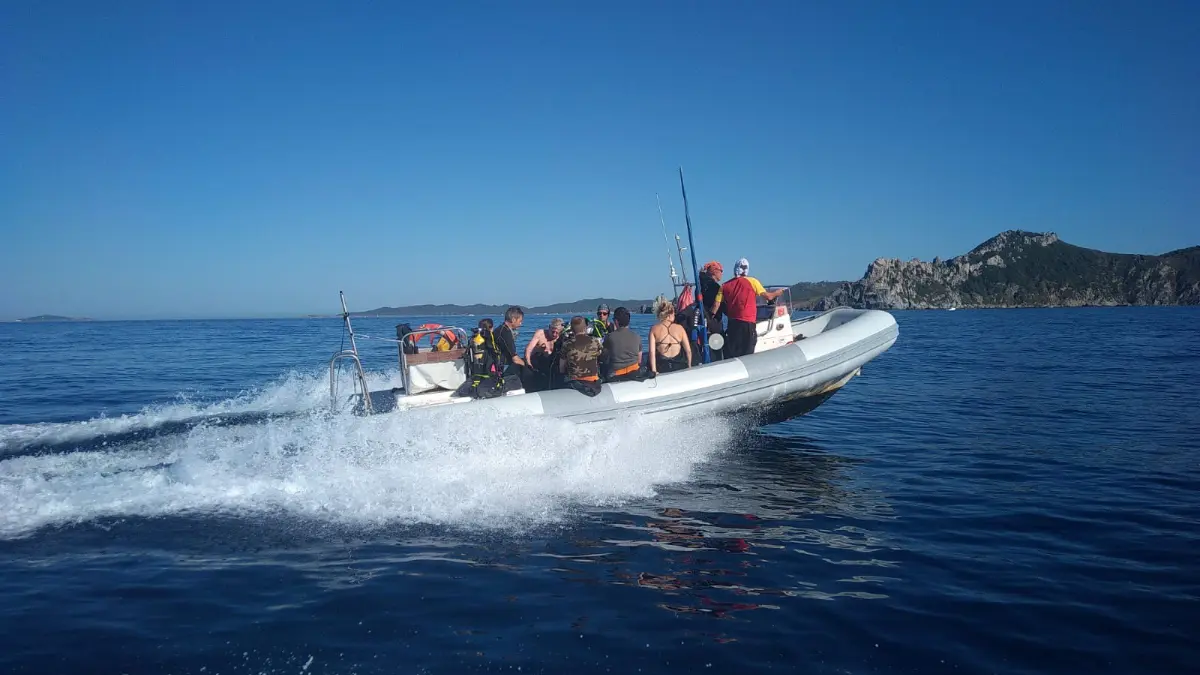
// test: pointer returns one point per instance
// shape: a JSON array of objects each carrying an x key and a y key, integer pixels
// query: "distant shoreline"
[
  {"x": 52, "y": 318},
  {"x": 1013, "y": 270},
  {"x": 307, "y": 317}
]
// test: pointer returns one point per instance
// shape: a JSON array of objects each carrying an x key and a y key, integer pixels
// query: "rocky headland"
[{"x": 1025, "y": 269}]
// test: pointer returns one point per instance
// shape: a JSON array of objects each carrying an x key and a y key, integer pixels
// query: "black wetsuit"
[
  {"x": 506, "y": 343},
  {"x": 709, "y": 289}
]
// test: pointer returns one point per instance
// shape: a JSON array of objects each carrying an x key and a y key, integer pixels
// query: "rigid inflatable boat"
[{"x": 797, "y": 365}]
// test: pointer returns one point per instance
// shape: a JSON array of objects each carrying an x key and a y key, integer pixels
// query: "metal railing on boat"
[
  {"x": 351, "y": 354},
  {"x": 410, "y": 338},
  {"x": 360, "y": 376},
  {"x": 414, "y": 337}
]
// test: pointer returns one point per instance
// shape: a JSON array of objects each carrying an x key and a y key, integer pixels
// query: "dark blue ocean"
[{"x": 1001, "y": 492}]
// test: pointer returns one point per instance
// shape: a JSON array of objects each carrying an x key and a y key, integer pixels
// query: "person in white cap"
[{"x": 738, "y": 299}]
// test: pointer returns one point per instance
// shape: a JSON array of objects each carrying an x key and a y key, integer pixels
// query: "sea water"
[{"x": 1002, "y": 491}]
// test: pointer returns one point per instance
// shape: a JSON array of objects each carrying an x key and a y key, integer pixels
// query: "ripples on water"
[{"x": 1001, "y": 492}]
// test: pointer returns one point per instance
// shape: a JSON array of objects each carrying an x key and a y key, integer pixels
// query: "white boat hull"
[{"x": 785, "y": 380}]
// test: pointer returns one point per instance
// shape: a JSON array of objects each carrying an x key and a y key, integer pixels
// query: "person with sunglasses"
[{"x": 600, "y": 326}]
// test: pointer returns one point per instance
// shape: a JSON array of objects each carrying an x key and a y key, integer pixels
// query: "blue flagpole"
[{"x": 702, "y": 319}]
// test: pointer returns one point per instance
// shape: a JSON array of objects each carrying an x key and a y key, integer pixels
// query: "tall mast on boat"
[
  {"x": 674, "y": 276},
  {"x": 702, "y": 320}
]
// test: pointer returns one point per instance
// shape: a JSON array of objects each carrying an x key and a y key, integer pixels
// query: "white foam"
[
  {"x": 295, "y": 392},
  {"x": 456, "y": 467}
]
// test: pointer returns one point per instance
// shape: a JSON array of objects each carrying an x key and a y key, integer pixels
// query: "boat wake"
[
  {"x": 280, "y": 453},
  {"x": 291, "y": 394}
]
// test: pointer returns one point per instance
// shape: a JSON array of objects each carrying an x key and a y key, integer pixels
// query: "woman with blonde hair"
[{"x": 670, "y": 349}]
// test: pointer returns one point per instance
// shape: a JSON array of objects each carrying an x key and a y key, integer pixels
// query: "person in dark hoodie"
[{"x": 710, "y": 288}]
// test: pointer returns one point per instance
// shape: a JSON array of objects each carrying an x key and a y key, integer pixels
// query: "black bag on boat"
[
  {"x": 687, "y": 318},
  {"x": 409, "y": 346}
]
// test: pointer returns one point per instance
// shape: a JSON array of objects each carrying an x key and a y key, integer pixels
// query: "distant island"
[
  {"x": 804, "y": 294},
  {"x": 1025, "y": 269},
  {"x": 1015, "y": 268},
  {"x": 1012, "y": 269},
  {"x": 586, "y": 307},
  {"x": 50, "y": 318}
]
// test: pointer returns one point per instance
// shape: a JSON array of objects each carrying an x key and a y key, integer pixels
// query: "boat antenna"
[
  {"x": 702, "y": 321},
  {"x": 674, "y": 276},
  {"x": 682, "y": 248},
  {"x": 346, "y": 321}
]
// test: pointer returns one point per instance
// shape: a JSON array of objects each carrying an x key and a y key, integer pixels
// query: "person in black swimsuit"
[{"x": 670, "y": 348}]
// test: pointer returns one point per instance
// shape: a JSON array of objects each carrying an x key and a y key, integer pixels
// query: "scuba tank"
[
  {"x": 598, "y": 329},
  {"x": 480, "y": 362}
]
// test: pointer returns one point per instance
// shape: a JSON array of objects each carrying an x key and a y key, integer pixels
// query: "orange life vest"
[{"x": 450, "y": 337}]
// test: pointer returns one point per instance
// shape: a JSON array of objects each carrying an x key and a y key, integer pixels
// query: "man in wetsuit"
[
  {"x": 738, "y": 300},
  {"x": 506, "y": 343}
]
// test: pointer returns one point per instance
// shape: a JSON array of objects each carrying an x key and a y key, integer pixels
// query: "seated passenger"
[
  {"x": 622, "y": 352},
  {"x": 600, "y": 326},
  {"x": 485, "y": 329},
  {"x": 543, "y": 341},
  {"x": 670, "y": 348},
  {"x": 483, "y": 376},
  {"x": 579, "y": 362},
  {"x": 564, "y": 336},
  {"x": 539, "y": 355}
]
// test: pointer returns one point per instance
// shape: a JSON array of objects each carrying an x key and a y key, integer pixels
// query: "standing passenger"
[
  {"x": 600, "y": 326},
  {"x": 710, "y": 288},
  {"x": 506, "y": 343},
  {"x": 738, "y": 299}
]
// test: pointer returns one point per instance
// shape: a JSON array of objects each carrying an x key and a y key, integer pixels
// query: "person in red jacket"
[{"x": 738, "y": 299}]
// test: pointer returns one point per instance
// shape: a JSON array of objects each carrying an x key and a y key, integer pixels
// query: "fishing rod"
[{"x": 702, "y": 322}]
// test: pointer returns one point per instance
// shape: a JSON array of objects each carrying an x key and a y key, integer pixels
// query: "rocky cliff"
[{"x": 1026, "y": 269}]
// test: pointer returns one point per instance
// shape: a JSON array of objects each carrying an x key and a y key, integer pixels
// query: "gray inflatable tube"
[{"x": 828, "y": 350}]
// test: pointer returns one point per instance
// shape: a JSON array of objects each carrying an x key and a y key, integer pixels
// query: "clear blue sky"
[{"x": 168, "y": 159}]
